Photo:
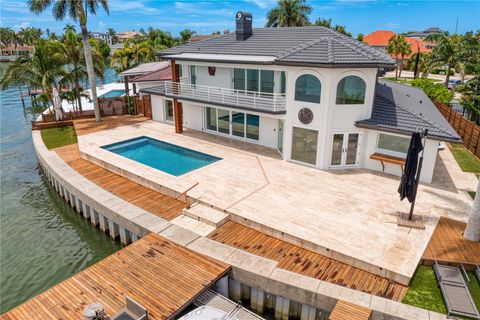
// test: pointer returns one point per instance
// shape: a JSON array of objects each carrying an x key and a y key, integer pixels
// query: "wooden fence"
[
  {"x": 466, "y": 129},
  {"x": 143, "y": 105}
]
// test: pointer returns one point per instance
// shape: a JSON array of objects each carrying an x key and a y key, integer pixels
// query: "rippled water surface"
[{"x": 42, "y": 240}]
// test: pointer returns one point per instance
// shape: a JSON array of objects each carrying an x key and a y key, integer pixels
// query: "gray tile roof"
[
  {"x": 311, "y": 45},
  {"x": 405, "y": 109}
]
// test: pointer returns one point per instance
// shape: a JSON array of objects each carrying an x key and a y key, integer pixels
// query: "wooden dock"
[
  {"x": 159, "y": 274},
  {"x": 447, "y": 245},
  {"x": 348, "y": 311},
  {"x": 86, "y": 126},
  {"x": 306, "y": 262},
  {"x": 149, "y": 200}
]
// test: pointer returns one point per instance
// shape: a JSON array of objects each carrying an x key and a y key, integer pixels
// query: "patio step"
[
  {"x": 206, "y": 214},
  {"x": 193, "y": 225}
]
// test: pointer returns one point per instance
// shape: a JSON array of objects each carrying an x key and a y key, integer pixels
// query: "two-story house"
[{"x": 309, "y": 92}]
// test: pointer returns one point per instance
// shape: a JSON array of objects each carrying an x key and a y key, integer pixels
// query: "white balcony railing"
[{"x": 273, "y": 102}]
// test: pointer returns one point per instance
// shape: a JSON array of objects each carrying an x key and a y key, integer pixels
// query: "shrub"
[{"x": 435, "y": 91}]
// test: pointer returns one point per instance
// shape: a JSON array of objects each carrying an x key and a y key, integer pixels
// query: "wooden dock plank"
[
  {"x": 149, "y": 200},
  {"x": 447, "y": 244},
  {"x": 159, "y": 274},
  {"x": 306, "y": 262},
  {"x": 348, "y": 311}
]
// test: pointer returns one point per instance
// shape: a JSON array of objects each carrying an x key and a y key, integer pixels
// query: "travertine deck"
[
  {"x": 296, "y": 259},
  {"x": 448, "y": 244},
  {"x": 144, "y": 271},
  {"x": 154, "y": 202},
  {"x": 349, "y": 212}
]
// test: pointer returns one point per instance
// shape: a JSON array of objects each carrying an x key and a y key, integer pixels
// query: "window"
[
  {"x": 193, "y": 75},
  {"x": 397, "y": 144},
  {"x": 238, "y": 124},
  {"x": 253, "y": 125},
  {"x": 239, "y": 79},
  {"x": 304, "y": 145},
  {"x": 351, "y": 90},
  {"x": 211, "y": 119},
  {"x": 168, "y": 110},
  {"x": 283, "y": 82},
  {"x": 266, "y": 81},
  {"x": 308, "y": 88},
  {"x": 252, "y": 79}
]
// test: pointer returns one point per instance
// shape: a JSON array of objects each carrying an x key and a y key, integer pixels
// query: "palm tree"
[
  {"x": 29, "y": 36},
  {"x": 73, "y": 51},
  {"x": 185, "y": 35},
  {"x": 133, "y": 53},
  {"x": 399, "y": 48},
  {"x": 327, "y": 23},
  {"x": 7, "y": 37},
  {"x": 289, "y": 13},
  {"x": 113, "y": 35},
  {"x": 69, "y": 28},
  {"x": 77, "y": 10},
  {"x": 472, "y": 231}
]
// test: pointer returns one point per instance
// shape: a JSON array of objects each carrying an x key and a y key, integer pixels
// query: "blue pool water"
[
  {"x": 113, "y": 93},
  {"x": 160, "y": 155}
]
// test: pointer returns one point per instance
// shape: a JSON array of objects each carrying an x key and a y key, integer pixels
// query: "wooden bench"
[{"x": 384, "y": 158}]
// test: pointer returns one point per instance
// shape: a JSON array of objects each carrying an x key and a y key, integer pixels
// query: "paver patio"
[{"x": 348, "y": 215}]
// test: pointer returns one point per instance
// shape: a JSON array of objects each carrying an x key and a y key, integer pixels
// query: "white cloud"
[
  {"x": 140, "y": 7},
  {"x": 262, "y": 4},
  {"x": 203, "y": 8},
  {"x": 392, "y": 25},
  {"x": 21, "y": 25},
  {"x": 14, "y": 6}
]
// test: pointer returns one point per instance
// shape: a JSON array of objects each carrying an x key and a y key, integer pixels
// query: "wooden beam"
[{"x": 177, "y": 106}]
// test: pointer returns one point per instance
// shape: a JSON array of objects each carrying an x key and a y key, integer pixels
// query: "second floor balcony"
[{"x": 274, "y": 103}]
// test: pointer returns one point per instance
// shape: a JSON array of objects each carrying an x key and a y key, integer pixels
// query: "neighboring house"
[
  {"x": 423, "y": 34},
  {"x": 147, "y": 75},
  {"x": 124, "y": 36},
  {"x": 12, "y": 52},
  {"x": 309, "y": 92},
  {"x": 379, "y": 40},
  {"x": 103, "y": 36},
  {"x": 115, "y": 47}
]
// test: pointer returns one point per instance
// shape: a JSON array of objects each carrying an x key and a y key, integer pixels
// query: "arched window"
[
  {"x": 351, "y": 90},
  {"x": 308, "y": 88}
]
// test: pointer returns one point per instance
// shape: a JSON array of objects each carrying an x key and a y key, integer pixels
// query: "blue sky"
[{"x": 205, "y": 17}]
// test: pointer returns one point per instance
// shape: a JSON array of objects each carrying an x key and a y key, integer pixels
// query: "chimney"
[{"x": 244, "y": 25}]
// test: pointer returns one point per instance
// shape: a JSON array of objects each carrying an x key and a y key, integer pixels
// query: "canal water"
[{"x": 42, "y": 240}]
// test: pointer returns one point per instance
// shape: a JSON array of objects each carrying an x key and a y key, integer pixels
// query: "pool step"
[
  {"x": 193, "y": 225},
  {"x": 206, "y": 214}
]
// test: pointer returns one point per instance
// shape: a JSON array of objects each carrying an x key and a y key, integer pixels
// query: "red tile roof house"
[{"x": 379, "y": 39}]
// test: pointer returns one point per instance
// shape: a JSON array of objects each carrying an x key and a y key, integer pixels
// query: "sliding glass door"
[{"x": 234, "y": 123}]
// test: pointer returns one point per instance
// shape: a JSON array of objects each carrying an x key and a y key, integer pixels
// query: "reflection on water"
[{"x": 42, "y": 240}]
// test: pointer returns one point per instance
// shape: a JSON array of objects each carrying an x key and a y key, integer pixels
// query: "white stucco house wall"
[{"x": 309, "y": 92}]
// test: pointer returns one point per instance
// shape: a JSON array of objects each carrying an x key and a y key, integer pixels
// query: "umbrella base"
[{"x": 417, "y": 222}]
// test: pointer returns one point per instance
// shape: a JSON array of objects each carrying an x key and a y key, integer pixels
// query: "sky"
[{"x": 205, "y": 17}]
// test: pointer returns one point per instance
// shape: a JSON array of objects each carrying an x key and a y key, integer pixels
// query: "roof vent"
[{"x": 244, "y": 25}]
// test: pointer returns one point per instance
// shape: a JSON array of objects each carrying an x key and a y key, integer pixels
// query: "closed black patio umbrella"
[{"x": 413, "y": 167}]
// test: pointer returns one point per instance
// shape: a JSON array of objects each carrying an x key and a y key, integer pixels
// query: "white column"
[
  {"x": 78, "y": 205},
  {"x": 103, "y": 222},
  {"x": 113, "y": 229},
  {"x": 234, "y": 290},
  {"x": 134, "y": 237},
  {"x": 93, "y": 217},
  {"x": 124, "y": 235},
  {"x": 222, "y": 286},
  {"x": 256, "y": 299},
  {"x": 282, "y": 308},
  {"x": 85, "y": 210},
  {"x": 308, "y": 312}
]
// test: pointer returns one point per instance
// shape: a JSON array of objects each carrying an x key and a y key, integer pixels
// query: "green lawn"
[
  {"x": 466, "y": 160},
  {"x": 59, "y": 137},
  {"x": 425, "y": 293}
]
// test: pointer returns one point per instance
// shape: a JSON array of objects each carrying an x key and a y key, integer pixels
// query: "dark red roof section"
[{"x": 159, "y": 75}]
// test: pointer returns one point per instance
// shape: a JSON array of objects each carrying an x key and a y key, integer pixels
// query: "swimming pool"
[
  {"x": 113, "y": 93},
  {"x": 160, "y": 155}
]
